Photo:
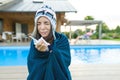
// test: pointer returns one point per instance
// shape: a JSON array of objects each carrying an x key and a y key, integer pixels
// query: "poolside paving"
[
  {"x": 72, "y": 42},
  {"x": 78, "y": 72},
  {"x": 94, "y": 42},
  {"x": 14, "y": 43},
  {"x": 13, "y": 72},
  {"x": 95, "y": 71}
]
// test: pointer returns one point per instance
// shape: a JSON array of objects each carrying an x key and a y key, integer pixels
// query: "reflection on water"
[
  {"x": 97, "y": 55},
  {"x": 15, "y": 56}
]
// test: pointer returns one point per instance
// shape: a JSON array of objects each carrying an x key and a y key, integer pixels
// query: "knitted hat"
[{"x": 47, "y": 12}]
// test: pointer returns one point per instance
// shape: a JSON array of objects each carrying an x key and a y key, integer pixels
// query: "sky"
[{"x": 106, "y": 10}]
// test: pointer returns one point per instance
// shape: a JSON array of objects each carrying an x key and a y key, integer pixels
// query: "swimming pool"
[
  {"x": 96, "y": 54},
  {"x": 13, "y": 55},
  {"x": 17, "y": 55}
]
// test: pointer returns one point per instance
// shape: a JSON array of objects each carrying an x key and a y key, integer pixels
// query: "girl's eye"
[
  {"x": 38, "y": 23},
  {"x": 47, "y": 23}
]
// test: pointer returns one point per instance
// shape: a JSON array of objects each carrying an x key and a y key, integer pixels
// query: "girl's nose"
[{"x": 42, "y": 26}]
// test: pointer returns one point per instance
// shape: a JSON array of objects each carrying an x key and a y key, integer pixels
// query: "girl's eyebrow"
[{"x": 38, "y": 22}]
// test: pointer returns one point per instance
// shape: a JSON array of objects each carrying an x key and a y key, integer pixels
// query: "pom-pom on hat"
[{"x": 47, "y": 12}]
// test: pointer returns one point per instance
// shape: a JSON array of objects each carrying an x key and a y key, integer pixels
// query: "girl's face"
[{"x": 44, "y": 26}]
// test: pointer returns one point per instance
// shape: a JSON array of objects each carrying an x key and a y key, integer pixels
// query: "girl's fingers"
[{"x": 41, "y": 46}]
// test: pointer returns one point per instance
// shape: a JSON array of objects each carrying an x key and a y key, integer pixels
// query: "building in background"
[{"x": 17, "y": 16}]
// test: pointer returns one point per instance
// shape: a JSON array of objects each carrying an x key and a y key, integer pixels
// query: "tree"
[
  {"x": 117, "y": 30},
  {"x": 88, "y": 18},
  {"x": 77, "y": 32},
  {"x": 105, "y": 28}
]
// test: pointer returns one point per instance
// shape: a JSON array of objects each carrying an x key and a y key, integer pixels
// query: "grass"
[{"x": 112, "y": 39}]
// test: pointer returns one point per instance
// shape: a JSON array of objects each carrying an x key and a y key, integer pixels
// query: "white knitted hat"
[{"x": 47, "y": 12}]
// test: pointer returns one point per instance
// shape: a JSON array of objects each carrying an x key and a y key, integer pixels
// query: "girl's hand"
[{"x": 41, "y": 46}]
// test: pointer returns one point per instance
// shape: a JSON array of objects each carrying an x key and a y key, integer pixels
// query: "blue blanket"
[{"x": 50, "y": 65}]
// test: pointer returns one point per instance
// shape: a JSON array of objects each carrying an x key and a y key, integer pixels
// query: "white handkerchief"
[{"x": 37, "y": 41}]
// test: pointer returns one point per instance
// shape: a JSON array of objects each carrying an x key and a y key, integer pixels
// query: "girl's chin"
[{"x": 44, "y": 36}]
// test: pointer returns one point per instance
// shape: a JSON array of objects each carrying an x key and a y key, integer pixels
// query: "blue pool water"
[
  {"x": 15, "y": 56},
  {"x": 96, "y": 54},
  {"x": 10, "y": 56}
]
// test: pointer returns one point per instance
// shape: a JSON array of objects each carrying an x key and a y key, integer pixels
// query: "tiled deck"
[
  {"x": 80, "y": 42},
  {"x": 14, "y": 44},
  {"x": 95, "y": 71},
  {"x": 78, "y": 72},
  {"x": 13, "y": 72},
  {"x": 94, "y": 42}
]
